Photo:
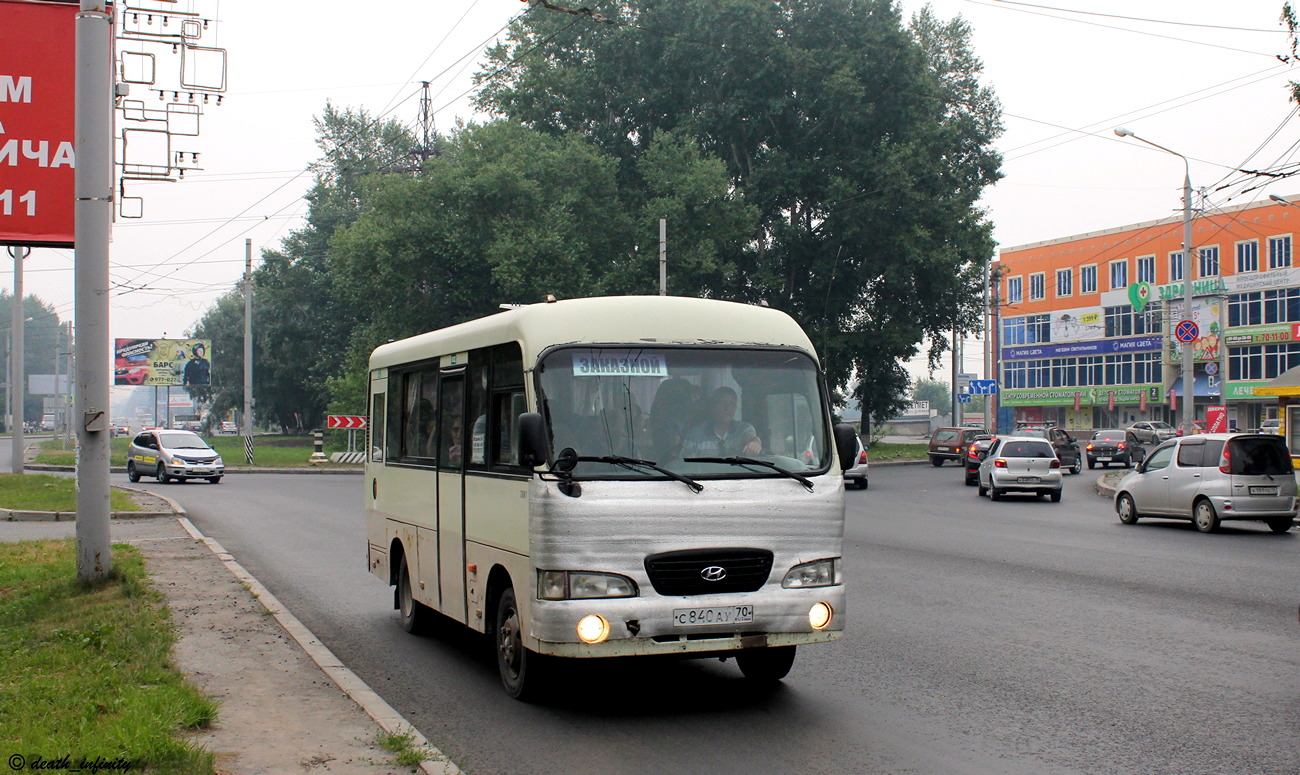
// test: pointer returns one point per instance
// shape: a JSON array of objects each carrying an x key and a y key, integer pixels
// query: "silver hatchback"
[
  {"x": 1021, "y": 464},
  {"x": 1210, "y": 478},
  {"x": 168, "y": 455}
]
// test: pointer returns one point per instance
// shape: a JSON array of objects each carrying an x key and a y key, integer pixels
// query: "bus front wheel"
[
  {"x": 521, "y": 670},
  {"x": 767, "y": 665}
]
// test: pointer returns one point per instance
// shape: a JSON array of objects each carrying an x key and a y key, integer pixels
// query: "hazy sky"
[{"x": 1202, "y": 77}]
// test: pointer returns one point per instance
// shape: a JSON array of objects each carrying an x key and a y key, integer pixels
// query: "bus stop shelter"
[{"x": 1286, "y": 389}]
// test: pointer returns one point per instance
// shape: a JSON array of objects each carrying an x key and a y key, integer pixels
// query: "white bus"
[{"x": 610, "y": 477}]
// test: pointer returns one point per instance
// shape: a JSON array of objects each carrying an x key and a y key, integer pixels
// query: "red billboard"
[{"x": 37, "y": 122}]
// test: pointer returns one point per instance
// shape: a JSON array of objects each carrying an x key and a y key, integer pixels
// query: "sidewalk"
[{"x": 281, "y": 706}]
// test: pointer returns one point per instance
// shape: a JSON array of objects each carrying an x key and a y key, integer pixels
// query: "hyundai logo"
[{"x": 713, "y": 573}]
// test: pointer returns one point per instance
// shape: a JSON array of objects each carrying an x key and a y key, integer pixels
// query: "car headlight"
[
  {"x": 819, "y": 573},
  {"x": 581, "y": 585},
  {"x": 218, "y": 462}
]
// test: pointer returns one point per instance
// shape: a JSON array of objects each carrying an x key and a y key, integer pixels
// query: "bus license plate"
[
  {"x": 694, "y": 617},
  {"x": 1028, "y": 480},
  {"x": 1263, "y": 490}
]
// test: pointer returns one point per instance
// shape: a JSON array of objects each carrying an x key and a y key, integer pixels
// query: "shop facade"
[{"x": 1085, "y": 324}]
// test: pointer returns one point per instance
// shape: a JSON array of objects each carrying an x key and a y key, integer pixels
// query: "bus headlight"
[
  {"x": 580, "y": 585},
  {"x": 593, "y": 629},
  {"x": 819, "y": 573},
  {"x": 819, "y": 616}
]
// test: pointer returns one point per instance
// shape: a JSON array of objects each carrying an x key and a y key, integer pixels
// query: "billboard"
[
  {"x": 168, "y": 362},
  {"x": 37, "y": 99}
]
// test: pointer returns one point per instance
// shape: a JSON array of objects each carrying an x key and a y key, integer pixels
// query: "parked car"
[
  {"x": 1110, "y": 446},
  {"x": 228, "y": 429},
  {"x": 1211, "y": 478},
  {"x": 1152, "y": 431},
  {"x": 1066, "y": 446},
  {"x": 168, "y": 455},
  {"x": 974, "y": 456},
  {"x": 1021, "y": 464},
  {"x": 1273, "y": 426},
  {"x": 951, "y": 444},
  {"x": 857, "y": 475}
]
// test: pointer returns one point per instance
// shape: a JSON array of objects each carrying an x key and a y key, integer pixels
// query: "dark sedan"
[
  {"x": 1114, "y": 445},
  {"x": 974, "y": 456}
]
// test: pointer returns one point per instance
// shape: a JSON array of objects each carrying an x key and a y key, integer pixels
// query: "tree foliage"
[
  {"x": 861, "y": 144},
  {"x": 44, "y": 338}
]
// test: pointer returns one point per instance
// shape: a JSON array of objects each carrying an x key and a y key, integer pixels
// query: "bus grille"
[{"x": 684, "y": 572}]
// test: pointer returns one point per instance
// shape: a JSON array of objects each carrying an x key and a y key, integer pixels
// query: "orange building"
[{"x": 1085, "y": 324}]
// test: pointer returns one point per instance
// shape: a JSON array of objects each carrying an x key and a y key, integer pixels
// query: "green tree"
[
  {"x": 861, "y": 145},
  {"x": 44, "y": 336},
  {"x": 937, "y": 393}
]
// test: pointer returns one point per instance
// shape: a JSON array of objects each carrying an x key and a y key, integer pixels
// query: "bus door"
[{"x": 451, "y": 493}]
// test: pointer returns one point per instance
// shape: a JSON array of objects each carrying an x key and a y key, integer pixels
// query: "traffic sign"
[
  {"x": 963, "y": 398},
  {"x": 1187, "y": 331},
  {"x": 984, "y": 387},
  {"x": 349, "y": 421},
  {"x": 1211, "y": 368}
]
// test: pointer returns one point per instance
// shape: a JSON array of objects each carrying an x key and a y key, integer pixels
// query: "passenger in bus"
[
  {"x": 720, "y": 434},
  {"x": 669, "y": 418}
]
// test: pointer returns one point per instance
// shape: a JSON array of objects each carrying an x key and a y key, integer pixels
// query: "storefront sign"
[
  {"x": 1084, "y": 396},
  {"x": 1097, "y": 347},
  {"x": 1207, "y": 287},
  {"x": 1261, "y": 335}
]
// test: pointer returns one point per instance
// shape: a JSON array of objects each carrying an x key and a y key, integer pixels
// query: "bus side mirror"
[
  {"x": 532, "y": 439},
  {"x": 846, "y": 445}
]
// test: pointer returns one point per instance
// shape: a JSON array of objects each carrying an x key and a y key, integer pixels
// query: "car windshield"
[
  {"x": 1161, "y": 426},
  {"x": 1026, "y": 449},
  {"x": 182, "y": 440},
  {"x": 667, "y": 404},
  {"x": 1115, "y": 435}
]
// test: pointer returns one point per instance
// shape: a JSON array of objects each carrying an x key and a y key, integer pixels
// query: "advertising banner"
[
  {"x": 1216, "y": 418},
  {"x": 1083, "y": 396},
  {"x": 162, "y": 362},
  {"x": 37, "y": 101},
  {"x": 1098, "y": 347}
]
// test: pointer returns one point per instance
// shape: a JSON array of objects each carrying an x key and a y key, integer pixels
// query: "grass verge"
[
  {"x": 883, "y": 452},
  {"x": 403, "y": 748},
  {"x": 85, "y": 672},
  {"x": 43, "y": 492}
]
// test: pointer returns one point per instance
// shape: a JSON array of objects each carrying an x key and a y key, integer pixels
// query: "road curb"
[{"x": 349, "y": 682}]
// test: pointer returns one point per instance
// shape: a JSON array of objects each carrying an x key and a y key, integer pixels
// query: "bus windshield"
[{"x": 669, "y": 405}]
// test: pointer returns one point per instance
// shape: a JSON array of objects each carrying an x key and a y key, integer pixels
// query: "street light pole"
[{"x": 1189, "y": 365}]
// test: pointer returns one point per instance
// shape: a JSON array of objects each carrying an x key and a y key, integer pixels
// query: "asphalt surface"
[{"x": 1017, "y": 637}]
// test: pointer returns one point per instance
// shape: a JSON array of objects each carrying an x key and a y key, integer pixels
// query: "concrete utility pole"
[
  {"x": 248, "y": 350},
  {"x": 16, "y": 371},
  {"x": 94, "y": 218},
  {"x": 1188, "y": 413},
  {"x": 663, "y": 256}
]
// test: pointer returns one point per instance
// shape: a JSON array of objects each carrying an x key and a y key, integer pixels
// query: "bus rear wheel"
[
  {"x": 413, "y": 615},
  {"x": 766, "y": 665},
  {"x": 522, "y": 671}
]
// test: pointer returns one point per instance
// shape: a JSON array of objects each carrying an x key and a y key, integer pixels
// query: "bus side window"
[
  {"x": 508, "y": 407},
  {"x": 478, "y": 396},
  {"x": 375, "y": 428}
]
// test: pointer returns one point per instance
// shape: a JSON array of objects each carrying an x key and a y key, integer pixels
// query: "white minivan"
[{"x": 1210, "y": 478}]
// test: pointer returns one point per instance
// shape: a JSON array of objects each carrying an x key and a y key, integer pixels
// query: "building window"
[
  {"x": 1279, "y": 252},
  {"x": 1248, "y": 256},
  {"x": 1088, "y": 279},
  {"x": 1064, "y": 282},
  {"x": 1119, "y": 274},
  {"x": 1246, "y": 362},
  {"x": 1146, "y": 269},
  {"x": 1037, "y": 286},
  {"x": 1176, "y": 266},
  {"x": 1282, "y": 305},
  {"x": 1015, "y": 290},
  {"x": 1209, "y": 261},
  {"x": 1030, "y": 329},
  {"x": 1123, "y": 321}
]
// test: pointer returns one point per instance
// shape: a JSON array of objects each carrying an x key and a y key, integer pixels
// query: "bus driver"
[{"x": 719, "y": 434}]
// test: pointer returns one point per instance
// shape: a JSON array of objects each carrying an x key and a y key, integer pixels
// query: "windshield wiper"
[
  {"x": 749, "y": 461},
  {"x": 630, "y": 462}
]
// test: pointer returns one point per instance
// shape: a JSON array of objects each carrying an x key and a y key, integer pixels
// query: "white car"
[
  {"x": 228, "y": 429},
  {"x": 857, "y": 475},
  {"x": 1021, "y": 464}
]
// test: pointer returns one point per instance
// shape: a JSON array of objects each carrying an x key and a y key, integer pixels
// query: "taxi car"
[{"x": 170, "y": 454}]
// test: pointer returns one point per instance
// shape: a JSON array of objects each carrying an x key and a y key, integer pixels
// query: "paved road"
[{"x": 1018, "y": 637}]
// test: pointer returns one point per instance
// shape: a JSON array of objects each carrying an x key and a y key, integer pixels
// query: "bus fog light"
[
  {"x": 593, "y": 629},
  {"x": 819, "y": 616}
]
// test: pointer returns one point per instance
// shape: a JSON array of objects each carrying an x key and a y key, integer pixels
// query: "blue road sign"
[
  {"x": 1187, "y": 331},
  {"x": 963, "y": 398},
  {"x": 984, "y": 387}
]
